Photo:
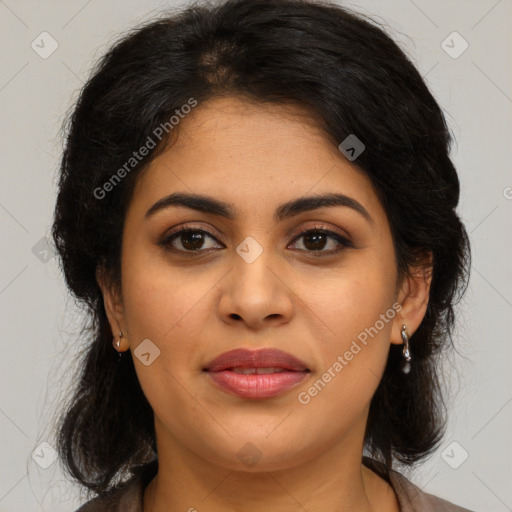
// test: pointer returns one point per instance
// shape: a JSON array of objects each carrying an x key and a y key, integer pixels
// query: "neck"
[{"x": 334, "y": 480}]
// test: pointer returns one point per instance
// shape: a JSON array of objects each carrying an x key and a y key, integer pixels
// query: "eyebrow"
[{"x": 286, "y": 210}]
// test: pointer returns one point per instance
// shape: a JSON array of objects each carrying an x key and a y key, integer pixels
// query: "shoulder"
[
  {"x": 410, "y": 497},
  {"x": 127, "y": 497},
  {"x": 413, "y": 499}
]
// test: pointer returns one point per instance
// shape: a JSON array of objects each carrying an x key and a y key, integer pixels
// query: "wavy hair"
[{"x": 354, "y": 79}]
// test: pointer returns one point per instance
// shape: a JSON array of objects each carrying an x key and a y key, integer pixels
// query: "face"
[{"x": 319, "y": 283}]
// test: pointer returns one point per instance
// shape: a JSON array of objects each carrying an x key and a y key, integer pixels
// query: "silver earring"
[
  {"x": 406, "y": 353},
  {"x": 117, "y": 343}
]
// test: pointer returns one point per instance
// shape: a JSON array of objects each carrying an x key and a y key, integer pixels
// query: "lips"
[
  {"x": 262, "y": 358},
  {"x": 259, "y": 373}
]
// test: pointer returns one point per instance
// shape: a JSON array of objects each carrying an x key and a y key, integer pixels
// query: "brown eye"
[
  {"x": 316, "y": 240},
  {"x": 192, "y": 240},
  {"x": 189, "y": 239}
]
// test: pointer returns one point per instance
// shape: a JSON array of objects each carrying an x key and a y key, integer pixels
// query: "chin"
[{"x": 254, "y": 454}]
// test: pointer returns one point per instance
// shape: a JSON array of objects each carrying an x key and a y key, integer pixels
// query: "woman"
[{"x": 257, "y": 206}]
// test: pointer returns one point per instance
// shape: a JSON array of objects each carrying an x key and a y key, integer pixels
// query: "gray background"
[{"x": 39, "y": 322}]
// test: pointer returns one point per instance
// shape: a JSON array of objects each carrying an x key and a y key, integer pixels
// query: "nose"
[{"x": 256, "y": 294}]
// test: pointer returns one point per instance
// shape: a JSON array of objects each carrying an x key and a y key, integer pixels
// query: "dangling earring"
[
  {"x": 406, "y": 365},
  {"x": 117, "y": 346}
]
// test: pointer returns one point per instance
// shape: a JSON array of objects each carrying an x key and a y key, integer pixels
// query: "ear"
[
  {"x": 413, "y": 297},
  {"x": 112, "y": 302}
]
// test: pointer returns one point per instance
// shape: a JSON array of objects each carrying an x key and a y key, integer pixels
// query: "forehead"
[{"x": 252, "y": 155}]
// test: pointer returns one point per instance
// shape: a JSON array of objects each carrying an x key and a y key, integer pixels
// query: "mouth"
[{"x": 262, "y": 373}]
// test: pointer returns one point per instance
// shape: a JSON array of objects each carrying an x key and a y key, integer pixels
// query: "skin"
[{"x": 257, "y": 157}]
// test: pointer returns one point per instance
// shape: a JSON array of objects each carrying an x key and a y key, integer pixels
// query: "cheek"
[
  {"x": 160, "y": 301},
  {"x": 170, "y": 307},
  {"x": 354, "y": 359},
  {"x": 352, "y": 301},
  {"x": 358, "y": 308},
  {"x": 164, "y": 305}
]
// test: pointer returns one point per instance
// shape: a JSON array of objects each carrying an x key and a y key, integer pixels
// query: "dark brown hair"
[{"x": 354, "y": 79}]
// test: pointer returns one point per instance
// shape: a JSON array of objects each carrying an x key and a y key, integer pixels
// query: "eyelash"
[{"x": 167, "y": 240}]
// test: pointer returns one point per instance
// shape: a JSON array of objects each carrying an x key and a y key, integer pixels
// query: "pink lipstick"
[{"x": 262, "y": 373}]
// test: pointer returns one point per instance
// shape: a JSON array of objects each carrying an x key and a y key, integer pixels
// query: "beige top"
[{"x": 129, "y": 496}]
